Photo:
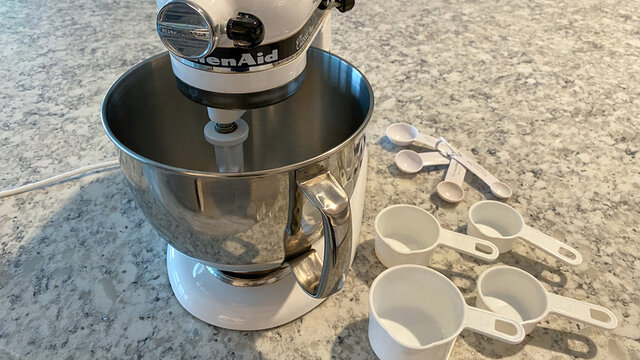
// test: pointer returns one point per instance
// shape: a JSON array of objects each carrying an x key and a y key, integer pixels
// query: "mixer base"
[{"x": 232, "y": 307}]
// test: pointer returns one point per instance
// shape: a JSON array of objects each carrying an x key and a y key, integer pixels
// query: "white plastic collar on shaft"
[{"x": 230, "y": 139}]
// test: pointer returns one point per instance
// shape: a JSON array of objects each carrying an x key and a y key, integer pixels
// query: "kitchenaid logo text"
[{"x": 246, "y": 59}]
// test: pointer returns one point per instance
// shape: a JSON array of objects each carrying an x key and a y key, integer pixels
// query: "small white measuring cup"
[
  {"x": 417, "y": 313},
  {"x": 407, "y": 234},
  {"x": 515, "y": 293},
  {"x": 502, "y": 225}
]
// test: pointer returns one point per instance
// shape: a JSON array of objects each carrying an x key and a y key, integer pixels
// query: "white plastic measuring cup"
[
  {"x": 403, "y": 134},
  {"x": 411, "y": 162},
  {"x": 450, "y": 189},
  {"x": 407, "y": 234},
  {"x": 417, "y": 313},
  {"x": 502, "y": 225},
  {"x": 515, "y": 293}
]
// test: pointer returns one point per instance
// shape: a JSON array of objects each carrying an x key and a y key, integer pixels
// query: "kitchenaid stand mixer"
[{"x": 254, "y": 173}]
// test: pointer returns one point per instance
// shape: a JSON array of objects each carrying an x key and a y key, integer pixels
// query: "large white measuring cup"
[
  {"x": 407, "y": 234},
  {"x": 515, "y": 293},
  {"x": 417, "y": 313},
  {"x": 502, "y": 225}
]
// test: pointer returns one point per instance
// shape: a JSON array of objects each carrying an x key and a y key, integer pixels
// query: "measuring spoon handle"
[
  {"x": 478, "y": 248},
  {"x": 455, "y": 173},
  {"x": 433, "y": 158},
  {"x": 497, "y": 187},
  {"x": 582, "y": 311},
  {"x": 550, "y": 245},
  {"x": 427, "y": 140},
  {"x": 475, "y": 168}
]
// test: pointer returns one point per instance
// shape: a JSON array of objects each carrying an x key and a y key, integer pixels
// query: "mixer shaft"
[{"x": 226, "y": 132}]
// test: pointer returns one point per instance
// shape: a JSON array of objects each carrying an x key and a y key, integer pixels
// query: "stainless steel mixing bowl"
[{"x": 302, "y": 154}]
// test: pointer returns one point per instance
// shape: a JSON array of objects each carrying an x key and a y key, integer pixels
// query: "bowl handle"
[{"x": 316, "y": 277}]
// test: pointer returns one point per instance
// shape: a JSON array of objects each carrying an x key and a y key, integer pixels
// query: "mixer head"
[{"x": 241, "y": 54}]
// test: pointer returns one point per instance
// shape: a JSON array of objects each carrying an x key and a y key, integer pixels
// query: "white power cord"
[{"x": 57, "y": 178}]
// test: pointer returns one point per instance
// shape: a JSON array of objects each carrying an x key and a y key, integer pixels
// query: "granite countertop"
[{"x": 545, "y": 94}]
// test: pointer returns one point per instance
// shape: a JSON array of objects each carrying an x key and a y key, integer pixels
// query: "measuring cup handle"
[
  {"x": 478, "y": 248},
  {"x": 582, "y": 311},
  {"x": 550, "y": 245},
  {"x": 429, "y": 141},
  {"x": 493, "y": 325}
]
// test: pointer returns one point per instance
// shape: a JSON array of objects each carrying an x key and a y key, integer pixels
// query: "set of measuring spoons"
[{"x": 450, "y": 189}]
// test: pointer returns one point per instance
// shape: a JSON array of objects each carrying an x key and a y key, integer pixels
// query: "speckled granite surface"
[{"x": 544, "y": 93}]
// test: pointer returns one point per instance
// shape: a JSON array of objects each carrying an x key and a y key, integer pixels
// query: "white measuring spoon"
[
  {"x": 403, "y": 134},
  {"x": 497, "y": 187},
  {"x": 450, "y": 189},
  {"x": 410, "y": 162}
]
